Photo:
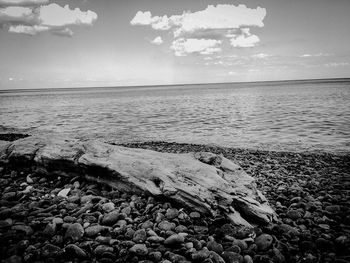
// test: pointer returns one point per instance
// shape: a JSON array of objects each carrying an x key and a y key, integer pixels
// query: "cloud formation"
[
  {"x": 44, "y": 18},
  {"x": 23, "y": 2},
  {"x": 157, "y": 41},
  {"x": 213, "y": 23},
  {"x": 182, "y": 46}
]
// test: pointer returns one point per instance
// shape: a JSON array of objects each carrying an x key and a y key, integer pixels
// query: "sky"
[{"x": 91, "y": 43}]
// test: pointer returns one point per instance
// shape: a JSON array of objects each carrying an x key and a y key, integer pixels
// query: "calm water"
[{"x": 297, "y": 116}]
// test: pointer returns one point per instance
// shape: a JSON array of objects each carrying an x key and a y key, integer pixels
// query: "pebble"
[
  {"x": 264, "y": 241},
  {"x": 172, "y": 213},
  {"x": 64, "y": 192},
  {"x": 174, "y": 240},
  {"x": 94, "y": 230},
  {"x": 75, "y": 251},
  {"x": 139, "y": 249},
  {"x": 139, "y": 236},
  {"x": 166, "y": 225},
  {"x": 110, "y": 219},
  {"x": 74, "y": 232}
]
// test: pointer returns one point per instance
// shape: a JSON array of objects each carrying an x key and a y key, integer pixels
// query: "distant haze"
[{"x": 90, "y": 43}]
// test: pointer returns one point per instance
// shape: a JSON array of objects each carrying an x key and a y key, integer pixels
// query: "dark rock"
[
  {"x": 156, "y": 256},
  {"x": 74, "y": 232},
  {"x": 215, "y": 257},
  {"x": 50, "y": 251},
  {"x": 140, "y": 236},
  {"x": 94, "y": 230},
  {"x": 110, "y": 219},
  {"x": 139, "y": 249},
  {"x": 232, "y": 257},
  {"x": 215, "y": 246},
  {"x": 171, "y": 213},
  {"x": 264, "y": 241},
  {"x": 200, "y": 255},
  {"x": 75, "y": 251},
  {"x": 101, "y": 249},
  {"x": 174, "y": 240},
  {"x": 166, "y": 225}
]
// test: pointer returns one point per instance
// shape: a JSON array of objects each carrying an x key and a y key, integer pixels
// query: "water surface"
[{"x": 288, "y": 116}]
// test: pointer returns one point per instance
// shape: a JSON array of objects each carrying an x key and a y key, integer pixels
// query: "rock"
[
  {"x": 110, "y": 218},
  {"x": 75, "y": 251},
  {"x": 195, "y": 215},
  {"x": 64, "y": 192},
  {"x": 13, "y": 259},
  {"x": 323, "y": 244},
  {"x": 50, "y": 229},
  {"x": 232, "y": 257},
  {"x": 264, "y": 241},
  {"x": 108, "y": 207},
  {"x": 139, "y": 249},
  {"x": 215, "y": 246},
  {"x": 247, "y": 259},
  {"x": 171, "y": 213},
  {"x": 174, "y": 240},
  {"x": 156, "y": 256},
  {"x": 201, "y": 255},
  {"x": 74, "y": 232},
  {"x": 94, "y": 230},
  {"x": 101, "y": 249},
  {"x": 29, "y": 180},
  {"x": 293, "y": 214},
  {"x": 194, "y": 180},
  {"x": 147, "y": 224},
  {"x": 155, "y": 239},
  {"x": 23, "y": 228},
  {"x": 140, "y": 236},
  {"x": 166, "y": 225},
  {"x": 215, "y": 257},
  {"x": 49, "y": 251}
]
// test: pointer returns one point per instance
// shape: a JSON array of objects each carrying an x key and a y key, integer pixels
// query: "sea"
[{"x": 298, "y": 116}]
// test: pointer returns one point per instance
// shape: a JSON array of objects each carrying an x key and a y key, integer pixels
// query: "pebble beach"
[{"x": 59, "y": 219}]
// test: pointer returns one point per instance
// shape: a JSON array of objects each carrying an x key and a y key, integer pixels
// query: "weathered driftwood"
[{"x": 201, "y": 181}]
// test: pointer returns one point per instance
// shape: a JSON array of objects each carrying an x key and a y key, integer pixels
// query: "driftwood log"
[{"x": 202, "y": 181}]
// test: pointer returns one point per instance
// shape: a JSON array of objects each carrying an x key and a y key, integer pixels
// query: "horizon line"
[{"x": 170, "y": 85}]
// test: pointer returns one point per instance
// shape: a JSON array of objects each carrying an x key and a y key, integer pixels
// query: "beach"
[{"x": 308, "y": 191}]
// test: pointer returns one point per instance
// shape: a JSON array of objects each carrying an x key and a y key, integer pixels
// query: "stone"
[
  {"x": 101, "y": 249},
  {"x": 74, "y": 232},
  {"x": 29, "y": 180},
  {"x": 23, "y": 228},
  {"x": 174, "y": 240},
  {"x": 247, "y": 259},
  {"x": 215, "y": 257},
  {"x": 64, "y": 192},
  {"x": 293, "y": 214},
  {"x": 75, "y": 251},
  {"x": 195, "y": 215},
  {"x": 94, "y": 230},
  {"x": 215, "y": 246},
  {"x": 195, "y": 180},
  {"x": 50, "y": 251},
  {"x": 108, "y": 207},
  {"x": 166, "y": 225},
  {"x": 147, "y": 224},
  {"x": 140, "y": 236},
  {"x": 50, "y": 229},
  {"x": 139, "y": 249},
  {"x": 200, "y": 255},
  {"x": 264, "y": 241},
  {"x": 155, "y": 239},
  {"x": 110, "y": 219},
  {"x": 232, "y": 257},
  {"x": 171, "y": 213},
  {"x": 156, "y": 256}
]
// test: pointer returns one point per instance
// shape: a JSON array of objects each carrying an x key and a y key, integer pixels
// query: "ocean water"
[{"x": 282, "y": 116}]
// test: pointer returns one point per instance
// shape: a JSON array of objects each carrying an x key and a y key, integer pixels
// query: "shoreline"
[{"x": 309, "y": 192}]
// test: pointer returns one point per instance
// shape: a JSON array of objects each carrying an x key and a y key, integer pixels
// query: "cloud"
[
  {"x": 337, "y": 64},
  {"x": 315, "y": 55},
  {"x": 213, "y": 23},
  {"x": 183, "y": 46},
  {"x": 260, "y": 55},
  {"x": 52, "y": 18},
  {"x": 157, "y": 41},
  {"x": 23, "y": 2}
]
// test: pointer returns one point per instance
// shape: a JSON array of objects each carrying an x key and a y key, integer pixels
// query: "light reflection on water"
[{"x": 293, "y": 116}]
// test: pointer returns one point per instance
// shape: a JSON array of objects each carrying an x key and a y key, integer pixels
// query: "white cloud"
[
  {"x": 337, "y": 64},
  {"x": 183, "y": 46},
  {"x": 315, "y": 55},
  {"x": 23, "y": 2},
  {"x": 260, "y": 55},
  {"x": 52, "y": 17},
  {"x": 157, "y": 41},
  {"x": 212, "y": 23}
]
